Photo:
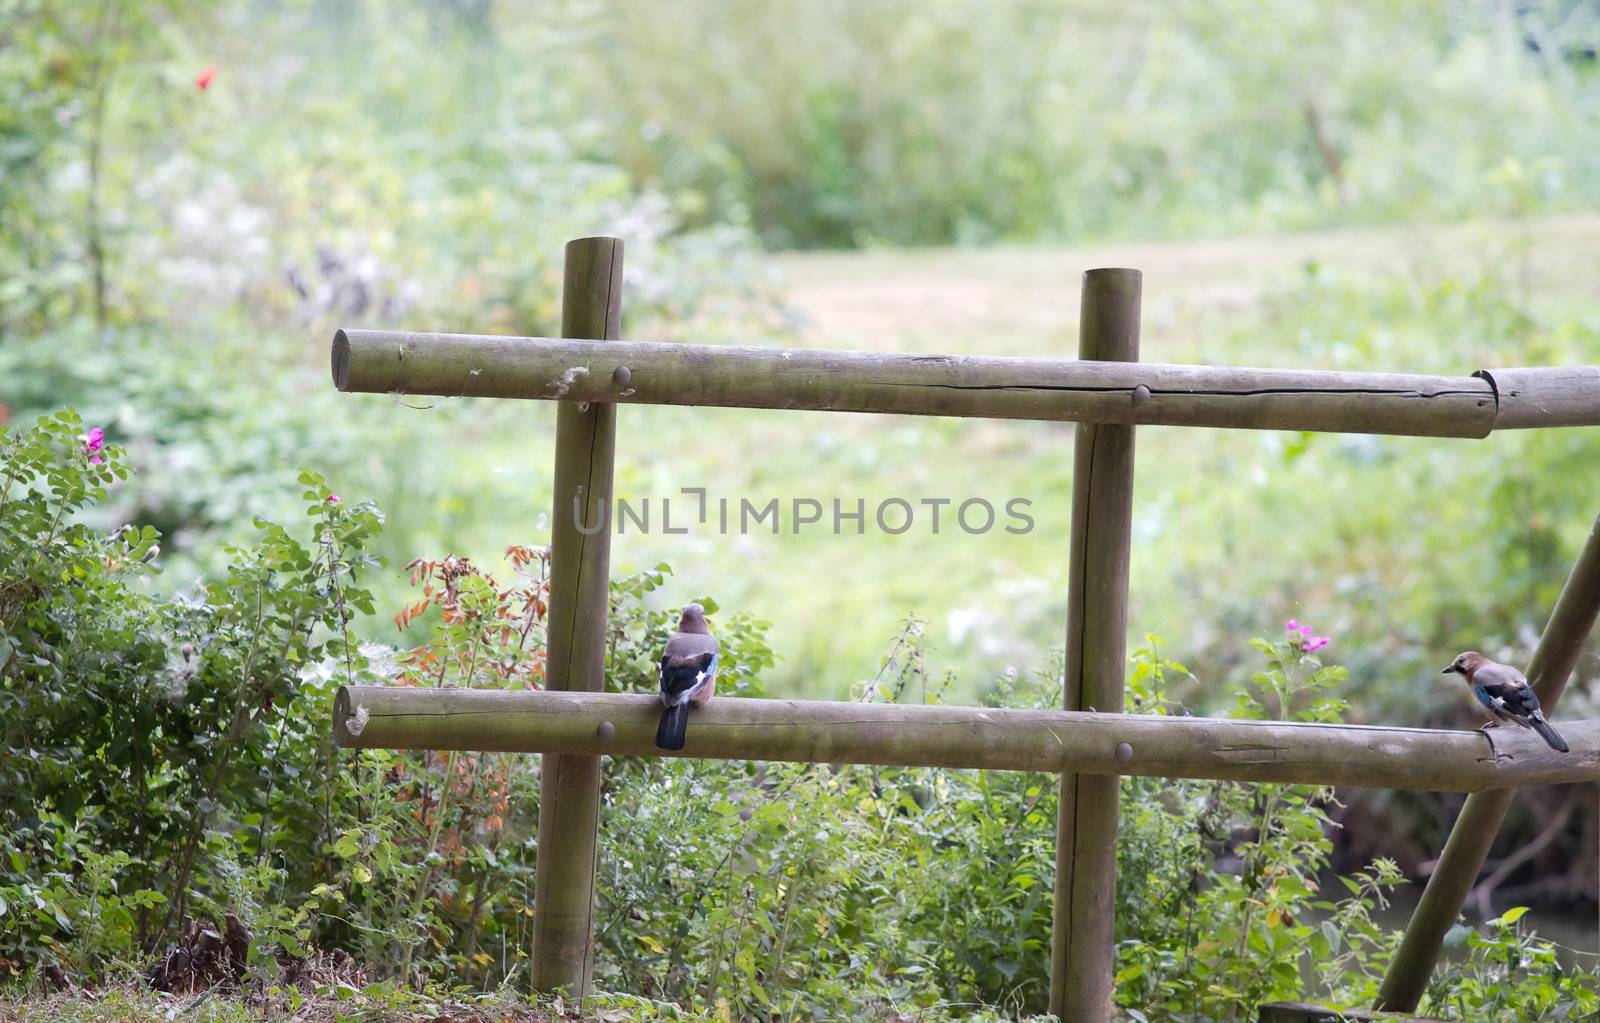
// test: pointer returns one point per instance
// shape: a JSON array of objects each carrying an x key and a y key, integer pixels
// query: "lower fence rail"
[
  {"x": 1305, "y": 1012},
  {"x": 1085, "y": 742}
]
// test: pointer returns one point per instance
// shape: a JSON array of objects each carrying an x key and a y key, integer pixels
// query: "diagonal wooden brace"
[{"x": 1480, "y": 819}]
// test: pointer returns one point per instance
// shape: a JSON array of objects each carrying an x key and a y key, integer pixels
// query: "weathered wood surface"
[
  {"x": 645, "y": 372},
  {"x": 580, "y": 580},
  {"x": 1082, "y": 946},
  {"x": 1305, "y": 1012},
  {"x": 1057, "y": 741},
  {"x": 1545, "y": 396},
  {"x": 1475, "y": 829}
]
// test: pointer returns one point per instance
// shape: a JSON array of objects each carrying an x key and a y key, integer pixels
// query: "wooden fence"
[{"x": 1107, "y": 391}]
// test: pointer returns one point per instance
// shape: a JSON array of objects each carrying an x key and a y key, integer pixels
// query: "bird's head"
[
  {"x": 693, "y": 619},
  {"x": 1464, "y": 664}
]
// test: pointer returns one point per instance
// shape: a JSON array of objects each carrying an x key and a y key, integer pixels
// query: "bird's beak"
[{"x": 1449, "y": 669}]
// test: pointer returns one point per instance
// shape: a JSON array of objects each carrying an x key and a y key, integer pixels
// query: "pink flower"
[
  {"x": 1304, "y": 637},
  {"x": 333, "y": 498},
  {"x": 203, "y": 80},
  {"x": 94, "y": 440},
  {"x": 96, "y": 460}
]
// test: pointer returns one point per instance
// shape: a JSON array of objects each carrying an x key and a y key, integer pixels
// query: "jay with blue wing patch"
[
  {"x": 1504, "y": 695},
  {"x": 688, "y": 675}
]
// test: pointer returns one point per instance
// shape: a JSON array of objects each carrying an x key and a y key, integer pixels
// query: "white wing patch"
[{"x": 701, "y": 678}]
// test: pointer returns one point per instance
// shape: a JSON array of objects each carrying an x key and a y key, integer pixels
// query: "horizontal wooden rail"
[
  {"x": 1544, "y": 396},
  {"x": 1305, "y": 1012},
  {"x": 816, "y": 731},
  {"x": 486, "y": 366}
]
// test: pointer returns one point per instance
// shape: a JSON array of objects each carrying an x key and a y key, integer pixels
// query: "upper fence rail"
[{"x": 1049, "y": 389}]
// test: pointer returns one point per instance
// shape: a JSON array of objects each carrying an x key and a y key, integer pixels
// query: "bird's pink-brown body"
[
  {"x": 688, "y": 675},
  {"x": 1503, "y": 694}
]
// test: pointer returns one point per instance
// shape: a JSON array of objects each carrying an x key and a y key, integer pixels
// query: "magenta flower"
[
  {"x": 1304, "y": 636},
  {"x": 93, "y": 441},
  {"x": 333, "y": 498}
]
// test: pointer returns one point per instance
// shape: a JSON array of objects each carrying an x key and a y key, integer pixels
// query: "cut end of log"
[
  {"x": 341, "y": 360},
  {"x": 348, "y": 722}
]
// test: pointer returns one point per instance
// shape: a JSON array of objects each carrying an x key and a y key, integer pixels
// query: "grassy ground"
[
  {"x": 344, "y": 1004},
  {"x": 131, "y": 1005},
  {"x": 333, "y": 1004}
]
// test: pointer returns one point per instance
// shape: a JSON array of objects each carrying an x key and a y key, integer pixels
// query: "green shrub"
[{"x": 136, "y": 728}]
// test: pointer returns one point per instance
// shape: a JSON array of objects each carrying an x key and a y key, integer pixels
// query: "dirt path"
[{"x": 1023, "y": 301}]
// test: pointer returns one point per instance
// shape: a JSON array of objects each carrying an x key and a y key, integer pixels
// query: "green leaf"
[
  {"x": 347, "y": 845},
  {"x": 1331, "y": 932}
]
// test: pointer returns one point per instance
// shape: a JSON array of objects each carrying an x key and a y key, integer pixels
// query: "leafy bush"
[
  {"x": 824, "y": 891},
  {"x": 139, "y": 731}
]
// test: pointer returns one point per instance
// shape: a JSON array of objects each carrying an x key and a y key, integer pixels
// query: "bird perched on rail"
[
  {"x": 1505, "y": 695},
  {"x": 688, "y": 675}
]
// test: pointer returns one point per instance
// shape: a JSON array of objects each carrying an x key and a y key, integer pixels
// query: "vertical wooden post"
[
  {"x": 580, "y": 578},
  {"x": 1479, "y": 822},
  {"x": 1082, "y": 945}
]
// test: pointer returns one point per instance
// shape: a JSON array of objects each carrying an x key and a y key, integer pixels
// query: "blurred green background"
[{"x": 194, "y": 196}]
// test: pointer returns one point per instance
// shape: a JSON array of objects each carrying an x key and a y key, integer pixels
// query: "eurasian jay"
[
  {"x": 1505, "y": 695},
  {"x": 688, "y": 675}
]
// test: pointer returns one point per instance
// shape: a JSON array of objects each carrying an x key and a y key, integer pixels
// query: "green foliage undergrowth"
[{"x": 168, "y": 760}]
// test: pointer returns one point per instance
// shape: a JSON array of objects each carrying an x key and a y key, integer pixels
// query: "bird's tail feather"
[
  {"x": 1548, "y": 734},
  {"x": 674, "y": 727}
]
